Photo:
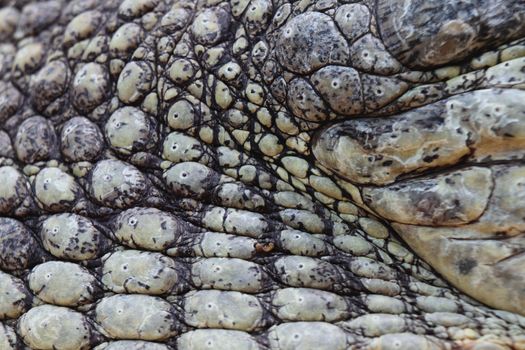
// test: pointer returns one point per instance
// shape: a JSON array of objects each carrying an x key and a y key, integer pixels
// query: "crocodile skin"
[{"x": 262, "y": 174}]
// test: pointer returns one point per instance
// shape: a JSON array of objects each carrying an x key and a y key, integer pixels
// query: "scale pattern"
[{"x": 262, "y": 174}]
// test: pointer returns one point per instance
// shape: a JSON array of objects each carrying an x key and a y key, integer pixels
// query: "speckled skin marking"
[{"x": 262, "y": 174}]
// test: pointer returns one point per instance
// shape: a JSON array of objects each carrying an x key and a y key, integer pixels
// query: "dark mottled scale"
[
  {"x": 72, "y": 237},
  {"x": 19, "y": 249}
]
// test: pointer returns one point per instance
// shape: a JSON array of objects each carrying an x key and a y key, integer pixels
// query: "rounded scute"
[
  {"x": 341, "y": 87},
  {"x": 305, "y": 103},
  {"x": 117, "y": 184},
  {"x": 302, "y": 243},
  {"x": 38, "y": 16},
  {"x": 126, "y": 39},
  {"x": 49, "y": 84},
  {"x": 385, "y": 304},
  {"x": 132, "y": 345},
  {"x": 8, "y": 337},
  {"x": 304, "y": 304},
  {"x": 218, "y": 339},
  {"x": 81, "y": 27},
  {"x": 35, "y": 140},
  {"x": 369, "y": 54},
  {"x": 229, "y": 274},
  {"x": 301, "y": 271},
  {"x": 10, "y": 99},
  {"x": 135, "y": 81},
  {"x": 15, "y": 299},
  {"x": 54, "y": 327},
  {"x": 56, "y": 190},
  {"x": 179, "y": 147},
  {"x": 181, "y": 115},
  {"x": 72, "y": 237},
  {"x": 258, "y": 16},
  {"x": 211, "y": 25},
  {"x": 307, "y": 336},
  {"x": 405, "y": 341},
  {"x": 148, "y": 228},
  {"x": 122, "y": 317},
  {"x": 18, "y": 248},
  {"x": 181, "y": 70},
  {"x": 374, "y": 325},
  {"x": 191, "y": 179},
  {"x": 6, "y": 146},
  {"x": 310, "y": 41},
  {"x": 134, "y": 271},
  {"x": 81, "y": 140},
  {"x": 176, "y": 19},
  {"x": 9, "y": 17},
  {"x": 379, "y": 91},
  {"x": 229, "y": 310},
  {"x": 14, "y": 188},
  {"x": 130, "y": 9},
  {"x": 63, "y": 283},
  {"x": 90, "y": 86},
  {"x": 130, "y": 130},
  {"x": 28, "y": 58},
  {"x": 353, "y": 20},
  {"x": 215, "y": 244}
]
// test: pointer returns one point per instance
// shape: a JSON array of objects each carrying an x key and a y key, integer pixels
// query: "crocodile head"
[{"x": 262, "y": 174}]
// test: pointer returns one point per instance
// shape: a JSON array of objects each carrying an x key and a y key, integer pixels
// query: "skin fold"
[{"x": 262, "y": 174}]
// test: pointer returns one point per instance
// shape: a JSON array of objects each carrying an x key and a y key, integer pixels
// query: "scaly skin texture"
[{"x": 262, "y": 174}]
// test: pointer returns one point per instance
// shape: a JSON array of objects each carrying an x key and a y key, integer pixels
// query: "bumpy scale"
[{"x": 262, "y": 174}]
